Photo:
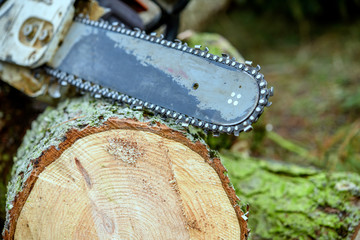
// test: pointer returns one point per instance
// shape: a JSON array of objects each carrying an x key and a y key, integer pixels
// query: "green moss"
[
  {"x": 292, "y": 202},
  {"x": 216, "y": 44}
]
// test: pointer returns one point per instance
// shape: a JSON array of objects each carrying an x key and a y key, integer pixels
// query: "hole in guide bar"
[
  {"x": 240, "y": 86},
  {"x": 195, "y": 86}
]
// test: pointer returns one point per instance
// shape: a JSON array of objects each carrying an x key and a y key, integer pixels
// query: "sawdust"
[{"x": 124, "y": 150}]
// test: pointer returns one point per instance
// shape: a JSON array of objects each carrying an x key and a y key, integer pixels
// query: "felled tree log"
[{"x": 93, "y": 170}]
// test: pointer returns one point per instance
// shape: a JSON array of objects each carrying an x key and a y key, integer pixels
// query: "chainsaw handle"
[
  {"x": 170, "y": 19},
  {"x": 121, "y": 12}
]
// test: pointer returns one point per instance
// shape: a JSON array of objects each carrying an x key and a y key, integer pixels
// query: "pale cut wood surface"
[{"x": 128, "y": 184}]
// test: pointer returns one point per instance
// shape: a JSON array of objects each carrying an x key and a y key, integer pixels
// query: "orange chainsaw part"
[{"x": 137, "y": 5}]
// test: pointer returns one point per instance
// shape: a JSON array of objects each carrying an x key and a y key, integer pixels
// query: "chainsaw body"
[{"x": 109, "y": 60}]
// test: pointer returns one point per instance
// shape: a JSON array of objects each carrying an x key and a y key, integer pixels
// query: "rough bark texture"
[
  {"x": 16, "y": 114},
  {"x": 94, "y": 169},
  {"x": 293, "y": 202}
]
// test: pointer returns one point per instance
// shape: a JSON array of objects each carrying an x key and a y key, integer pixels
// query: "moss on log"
[
  {"x": 292, "y": 202},
  {"x": 106, "y": 171}
]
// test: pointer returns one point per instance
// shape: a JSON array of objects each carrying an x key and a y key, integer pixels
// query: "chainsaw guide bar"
[{"x": 189, "y": 85}]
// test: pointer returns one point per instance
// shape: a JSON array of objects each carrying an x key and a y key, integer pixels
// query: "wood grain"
[{"x": 128, "y": 184}]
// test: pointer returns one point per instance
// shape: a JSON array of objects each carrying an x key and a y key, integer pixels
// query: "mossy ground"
[{"x": 291, "y": 202}]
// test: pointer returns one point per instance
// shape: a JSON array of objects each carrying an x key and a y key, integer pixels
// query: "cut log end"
[{"x": 126, "y": 180}]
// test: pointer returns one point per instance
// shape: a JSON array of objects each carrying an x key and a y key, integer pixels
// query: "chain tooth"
[
  {"x": 163, "y": 111},
  {"x": 221, "y": 129},
  {"x": 248, "y": 128},
  {"x": 184, "y": 124},
  {"x": 124, "y": 98},
  {"x": 135, "y": 102},
  {"x": 77, "y": 82},
  {"x": 63, "y": 83},
  {"x": 216, "y": 134},
  {"x": 237, "y": 130},
  {"x": 259, "y": 76},
  {"x": 229, "y": 130},
  {"x": 249, "y": 63},
  {"x": 271, "y": 91},
  {"x": 178, "y": 119},
  {"x": 263, "y": 101},
  {"x": 263, "y": 84},
  {"x": 259, "y": 109},
  {"x": 97, "y": 95},
  {"x": 168, "y": 113}
]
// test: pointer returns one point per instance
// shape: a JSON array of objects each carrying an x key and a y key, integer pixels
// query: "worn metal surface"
[
  {"x": 170, "y": 78},
  {"x": 31, "y": 30}
]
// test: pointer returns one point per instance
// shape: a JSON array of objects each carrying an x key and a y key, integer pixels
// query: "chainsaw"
[{"x": 126, "y": 64}]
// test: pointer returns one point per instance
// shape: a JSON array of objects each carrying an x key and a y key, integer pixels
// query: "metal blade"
[{"x": 207, "y": 88}]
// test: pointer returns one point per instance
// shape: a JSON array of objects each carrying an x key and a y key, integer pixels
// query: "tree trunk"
[{"x": 94, "y": 170}]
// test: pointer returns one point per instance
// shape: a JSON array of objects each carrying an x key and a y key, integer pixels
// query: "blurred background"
[{"x": 309, "y": 50}]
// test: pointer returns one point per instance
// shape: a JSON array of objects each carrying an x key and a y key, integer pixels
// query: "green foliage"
[
  {"x": 351, "y": 100},
  {"x": 223, "y": 141},
  {"x": 216, "y": 43},
  {"x": 300, "y": 10}
]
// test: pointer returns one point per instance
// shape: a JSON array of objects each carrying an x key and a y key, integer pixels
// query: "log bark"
[{"x": 95, "y": 170}]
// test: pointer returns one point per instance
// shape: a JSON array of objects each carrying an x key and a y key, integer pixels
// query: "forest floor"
[{"x": 314, "y": 119}]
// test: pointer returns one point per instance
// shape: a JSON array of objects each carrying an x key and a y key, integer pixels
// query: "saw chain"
[{"x": 98, "y": 91}]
